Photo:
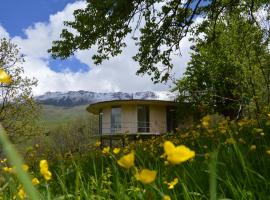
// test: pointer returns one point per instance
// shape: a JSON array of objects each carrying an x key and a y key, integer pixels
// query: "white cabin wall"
[
  {"x": 129, "y": 118},
  {"x": 158, "y": 119},
  {"x": 106, "y": 121}
]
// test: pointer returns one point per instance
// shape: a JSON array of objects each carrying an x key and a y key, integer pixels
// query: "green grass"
[
  {"x": 225, "y": 167},
  {"x": 57, "y": 115}
]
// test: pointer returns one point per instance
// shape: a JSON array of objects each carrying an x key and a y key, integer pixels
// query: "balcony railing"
[{"x": 132, "y": 127}]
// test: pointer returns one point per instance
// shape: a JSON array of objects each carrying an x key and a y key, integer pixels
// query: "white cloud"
[
  {"x": 117, "y": 74},
  {"x": 38, "y": 38},
  {"x": 3, "y": 32}
]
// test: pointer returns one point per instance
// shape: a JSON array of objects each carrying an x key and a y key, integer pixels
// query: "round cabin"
[{"x": 141, "y": 117}]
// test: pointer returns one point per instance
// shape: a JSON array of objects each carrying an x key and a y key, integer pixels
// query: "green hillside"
[{"x": 55, "y": 115}]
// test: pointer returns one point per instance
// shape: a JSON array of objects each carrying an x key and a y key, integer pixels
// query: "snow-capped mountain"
[{"x": 73, "y": 98}]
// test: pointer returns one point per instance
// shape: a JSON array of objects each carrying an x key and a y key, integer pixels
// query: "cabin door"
[{"x": 171, "y": 118}]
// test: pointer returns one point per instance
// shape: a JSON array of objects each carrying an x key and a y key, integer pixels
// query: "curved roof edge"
[{"x": 95, "y": 107}]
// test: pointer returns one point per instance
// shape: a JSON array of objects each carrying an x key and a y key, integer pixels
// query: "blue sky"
[
  {"x": 34, "y": 24},
  {"x": 17, "y": 15}
]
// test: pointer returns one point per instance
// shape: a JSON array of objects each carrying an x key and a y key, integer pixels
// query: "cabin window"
[
  {"x": 171, "y": 118},
  {"x": 100, "y": 116},
  {"x": 143, "y": 118},
  {"x": 116, "y": 119}
]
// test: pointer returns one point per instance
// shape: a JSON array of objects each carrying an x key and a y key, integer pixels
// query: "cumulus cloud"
[
  {"x": 3, "y": 32},
  {"x": 117, "y": 74}
]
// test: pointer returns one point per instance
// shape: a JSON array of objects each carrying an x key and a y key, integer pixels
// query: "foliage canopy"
[
  {"x": 160, "y": 26},
  {"x": 229, "y": 68},
  {"x": 18, "y": 110}
]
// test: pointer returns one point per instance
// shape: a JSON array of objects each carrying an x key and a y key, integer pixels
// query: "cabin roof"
[{"x": 95, "y": 107}]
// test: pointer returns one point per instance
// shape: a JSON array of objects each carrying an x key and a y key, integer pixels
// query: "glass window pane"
[
  {"x": 143, "y": 118},
  {"x": 116, "y": 119},
  {"x": 100, "y": 121}
]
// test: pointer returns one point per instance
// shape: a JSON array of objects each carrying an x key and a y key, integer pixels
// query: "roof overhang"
[{"x": 95, "y": 107}]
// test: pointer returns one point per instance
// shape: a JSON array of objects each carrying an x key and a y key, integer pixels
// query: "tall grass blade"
[
  {"x": 213, "y": 175},
  {"x": 17, "y": 162}
]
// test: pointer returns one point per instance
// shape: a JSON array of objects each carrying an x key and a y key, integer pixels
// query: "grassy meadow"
[
  {"x": 57, "y": 115},
  {"x": 231, "y": 161}
]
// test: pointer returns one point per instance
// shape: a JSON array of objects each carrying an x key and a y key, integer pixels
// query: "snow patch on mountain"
[{"x": 73, "y": 98}]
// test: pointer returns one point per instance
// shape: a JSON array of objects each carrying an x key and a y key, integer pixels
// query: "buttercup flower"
[
  {"x": 97, "y": 144},
  {"x": 127, "y": 161},
  {"x": 106, "y": 150},
  {"x": 8, "y": 169},
  {"x": 230, "y": 141},
  {"x": 268, "y": 152},
  {"x": 35, "y": 181},
  {"x": 177, "y": 155},
  {"x": 166, "y": 197},
  {"x": 44, "y": 170},
  {"x": 116, "y": 150},
  {"x": 21, "y": 193},
  {"x": 4, "y": 77},
  {"x": 171, "y": 184},
  {"x": 146, "y": 176},
  {"x": 252, "y": 147},
  {"x": 241, "y": 140},
  {"x": 206, "y": 121},
  {"x": 25, "y": 167}
]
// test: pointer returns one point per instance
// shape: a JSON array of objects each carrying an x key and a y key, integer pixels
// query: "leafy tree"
[
  {"x": 161, "y": 26},
  {"x": 229, "y": 69},
  {"x": 18, "y": 110}
]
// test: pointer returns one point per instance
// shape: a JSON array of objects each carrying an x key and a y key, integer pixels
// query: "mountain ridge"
[{"x": 82, "y": 97}]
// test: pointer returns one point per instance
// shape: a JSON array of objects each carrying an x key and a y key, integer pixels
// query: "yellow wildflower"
[
  {"x": 116, "y": 150},
  {"x": 230, "y": 141},
  {"x": 127, "y": 161},
  {"x": 106, "y": 150},
  {"x": 8, "y": 169},
  {"x": 163, "y": 155},
  {"x": 97, "y": 144},
  {"x": 172, "y": 183},
  {"x": 258, "y": 130},
  {"x": 68, "y": 155},
  {"x": 252, "y": 147},
  {"x": 166, "y": 197},
  {"x": 168, "y": 147},
  {"x": 146, "y": 176},
  {"x": 241, "y": 140},
  {"x": 22, "y": 193},
  {"x": 179, "y": 154},
  {"x": 206, "y": 121},
  {"x": 4, "y": 77},
  {"x": 25, "y": 167},
  {"x": 268, "y": 152},
  {"x": 166, "y": 162},
  {"x": 35, "y": 181},
  {"x": 44, "y": 170}
]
